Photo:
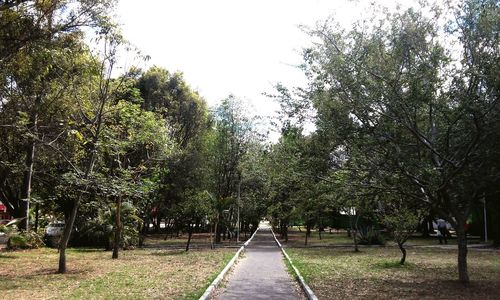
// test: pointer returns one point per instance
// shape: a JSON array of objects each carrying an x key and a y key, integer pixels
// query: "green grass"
[
  {"x": 92, "y": 274},
  {"x": 296, "y": 238},
  {"x": 203, "y": 240},
  {"x": 338, "y": 273}
]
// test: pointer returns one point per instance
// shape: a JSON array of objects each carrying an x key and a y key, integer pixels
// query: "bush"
[
  {"x": 25, "y": 240},
  {"x": 371, "y": 237},
  {"x": 99, "y": 231}
]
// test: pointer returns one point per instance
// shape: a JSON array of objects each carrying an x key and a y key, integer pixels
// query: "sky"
[{"x": 239, "y": 47}]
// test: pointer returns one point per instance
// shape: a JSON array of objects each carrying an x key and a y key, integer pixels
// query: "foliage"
[
  {"x": 25, "y": 240},
  {"x": 99, "y": 231},
  {"x": 413, "y": 104},
  {"x": 371, "y": 236}
]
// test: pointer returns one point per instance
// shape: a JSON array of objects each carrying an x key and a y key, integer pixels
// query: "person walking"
[{"x": 442, "y": 231}]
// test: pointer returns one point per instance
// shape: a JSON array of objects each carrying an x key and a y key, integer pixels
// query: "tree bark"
[
  {"x": 355, "y": 239},
  {"x": 37, "y": 216},
  {"x": 28, "y": 172},
  {"x": 403, "y": 251},
  {"x": 63, "y": 244},
  {"x": 463, "y": 274},
  {"x": 190, "y": 233},
  {"x": 118, "y": 227},
  {"x": 308, "y": 233},
  {"x": 216, "y": 230}
]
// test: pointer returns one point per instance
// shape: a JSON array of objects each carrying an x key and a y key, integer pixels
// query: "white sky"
[{"x": 240, "y": 47}]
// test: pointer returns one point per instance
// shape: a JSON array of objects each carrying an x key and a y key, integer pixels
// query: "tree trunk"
[
  {"x": 63, "y": 244},
  {"x": 463, "y": 275},
  {"x": 37, "y": 216},
  {"x": 355, "y": 239},
  {"x": 28, "y": 172},
  {"x": 118, "y": 227},
  {"x": 142, "y": 234},
  {"x": 216, "y": 238},
  {"x": 190, "y": 233},
  {"x": 353, "y": 232},
  {"x": 403, "y": 251},
  {"x": 70, "y": 222},
  {"x": 212, "y": 236},
  {"x": 308, "y": 233},
  {"x": 217, "y": 233}
]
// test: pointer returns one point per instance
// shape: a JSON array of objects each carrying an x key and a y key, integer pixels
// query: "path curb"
[
  {"x": 309, "y": 293},
  {"x": 211, "y": 288}
]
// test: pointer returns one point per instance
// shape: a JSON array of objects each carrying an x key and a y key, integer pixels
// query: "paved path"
[{"x": 261, "y": 273}]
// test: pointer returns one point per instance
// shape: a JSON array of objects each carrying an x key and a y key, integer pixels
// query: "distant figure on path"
[{"x": 442, "y": 231}]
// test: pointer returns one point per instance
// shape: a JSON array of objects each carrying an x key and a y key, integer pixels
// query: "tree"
[
  {"x": 187, "y": 118},
  {"x": 134, "y": 142},
  {"x": 29, "y": 24},
  {"x": 232, "y": 133},
  {"x": 40, "y": 47},
  {"x": 401, "y": 221},
  {"x": 412, "y": 107},
  {"x": 92, "y": 122}
]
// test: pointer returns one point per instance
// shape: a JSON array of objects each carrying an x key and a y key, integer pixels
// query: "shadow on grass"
[
  {"x": 441, "y": 289},
  {"x": 393, "y": 264},
  {"x": 3, "y": 256},
  {"x": 86, "y": 250},
  {"x": 51, "y": 272},
  {"x": 170, "y": 253}
]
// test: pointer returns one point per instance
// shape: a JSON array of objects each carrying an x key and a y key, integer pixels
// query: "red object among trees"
[{"x": 3, "y": 212}]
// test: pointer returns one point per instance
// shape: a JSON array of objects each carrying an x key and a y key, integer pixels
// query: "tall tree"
[{"x": 232, "y": 135}]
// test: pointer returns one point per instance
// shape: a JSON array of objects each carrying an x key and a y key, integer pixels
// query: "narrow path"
[{"x": 261, "y": 273}]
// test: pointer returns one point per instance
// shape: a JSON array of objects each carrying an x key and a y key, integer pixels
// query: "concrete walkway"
[{"x": 261, "y": 273}]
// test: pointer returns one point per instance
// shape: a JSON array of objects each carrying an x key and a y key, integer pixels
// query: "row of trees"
[
  {"x": 407, "y": 122},
  {"x": 111, "y": 155},
  {"x": 405, "y": 109}
]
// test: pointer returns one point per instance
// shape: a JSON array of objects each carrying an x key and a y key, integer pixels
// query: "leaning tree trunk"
[
  {"x": 63, "y": 244},
  {"x": 463, "y": 275},
  {"x": 403, "y": 251},
  {"x": 118, "y": 228}
]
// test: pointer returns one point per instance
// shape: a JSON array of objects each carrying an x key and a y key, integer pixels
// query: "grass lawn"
[
  {"x": 296, "y": 238},
  {"x": 92, "y": 274},
  {"x": 198, "y": 240},
  {"x": 340, "y": 273}
]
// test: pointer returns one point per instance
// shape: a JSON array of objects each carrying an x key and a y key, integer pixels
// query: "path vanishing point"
[{"x": 261, "y": 273}]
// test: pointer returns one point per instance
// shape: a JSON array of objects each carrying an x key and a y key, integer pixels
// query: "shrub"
[
  {"x": 371, "y": 237},
  {"x": 25, "y": 240}
]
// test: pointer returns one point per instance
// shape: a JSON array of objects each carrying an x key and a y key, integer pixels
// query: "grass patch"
[
  {"x": 92, "y": 274},
  {"x": 289, "y": 268},
  {"x": 296, "y": 238},
  {"x": 198, "y": 240},
  {"x": 340, "y": 273},
  {"x": 393, "y": 264}
]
